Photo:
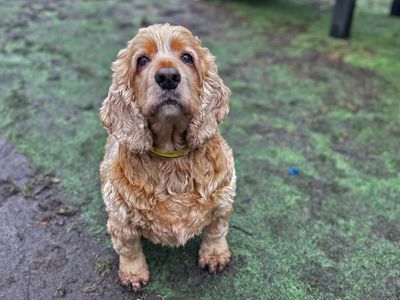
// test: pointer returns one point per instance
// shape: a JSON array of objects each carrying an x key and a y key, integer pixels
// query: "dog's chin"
[{"x": 169, "y": 109}]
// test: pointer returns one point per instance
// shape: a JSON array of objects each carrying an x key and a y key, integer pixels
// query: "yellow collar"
[{"x": 174, "y": 154}]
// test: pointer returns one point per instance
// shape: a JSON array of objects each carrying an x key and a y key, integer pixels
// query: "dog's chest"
[
  {"x": 175, "y": 220},
  {"x": 182, "y": 206}
]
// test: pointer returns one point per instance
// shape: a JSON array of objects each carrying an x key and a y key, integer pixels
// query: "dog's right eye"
[{"x": 142, "y": 61}]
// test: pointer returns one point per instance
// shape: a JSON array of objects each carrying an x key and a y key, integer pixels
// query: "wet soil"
[{"x": 45, "y": 251}]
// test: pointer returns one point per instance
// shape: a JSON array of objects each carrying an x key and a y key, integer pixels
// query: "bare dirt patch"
[{"x": 44, "y": 249}]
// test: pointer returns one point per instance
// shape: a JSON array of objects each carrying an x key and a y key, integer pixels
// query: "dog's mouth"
[
  {"x": 170, "y": 107},
  {"x": 170, "y": 101}
]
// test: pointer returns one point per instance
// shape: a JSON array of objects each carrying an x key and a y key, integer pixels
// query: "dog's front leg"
[
  {"x": 214, "y": 252},
  {"x": 133, "y": 271}
]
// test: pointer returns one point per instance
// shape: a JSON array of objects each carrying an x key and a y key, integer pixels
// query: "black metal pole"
[
  {"x": 342, "y": 17},
  {"x": 395, "y": 11}
]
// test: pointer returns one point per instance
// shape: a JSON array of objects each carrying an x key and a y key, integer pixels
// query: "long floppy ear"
[
  {"x": 120, "y": 114},
  {"x": 214, "y": 104}
]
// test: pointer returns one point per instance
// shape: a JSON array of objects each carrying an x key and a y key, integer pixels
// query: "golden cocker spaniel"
[{"x": 167, "y": 173}]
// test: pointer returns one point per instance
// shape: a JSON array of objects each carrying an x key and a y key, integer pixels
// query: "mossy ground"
[{"x": 329, "y": 107}]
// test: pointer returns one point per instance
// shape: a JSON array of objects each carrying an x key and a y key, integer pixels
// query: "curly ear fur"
[
  {"x": 214, "y": 99},
  {"x": 119, "y": 113}
]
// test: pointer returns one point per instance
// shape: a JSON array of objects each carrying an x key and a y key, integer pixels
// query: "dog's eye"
[
  {"x": 142, "y": 61},
  {"x": 187, "y": 58}
]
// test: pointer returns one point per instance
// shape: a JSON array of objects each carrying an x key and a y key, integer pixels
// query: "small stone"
[
  {"x": 44, "y": 223},
  {"x": 55, "y": 179}
]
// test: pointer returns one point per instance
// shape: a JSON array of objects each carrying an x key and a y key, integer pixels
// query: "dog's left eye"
[
  {"x": 142, "y": 61},
  {"x": 187, "y": 58}
]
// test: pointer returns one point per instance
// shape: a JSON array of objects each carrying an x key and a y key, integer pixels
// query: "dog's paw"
[
  {"x": 134, "y": 281},
  {"x": 214, "y": 262}
]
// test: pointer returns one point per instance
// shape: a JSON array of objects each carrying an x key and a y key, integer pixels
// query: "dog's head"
[{"x": 164, "y": 72}]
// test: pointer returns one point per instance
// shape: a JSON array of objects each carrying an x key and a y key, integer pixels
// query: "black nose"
[{"x": 168, "y": 78}]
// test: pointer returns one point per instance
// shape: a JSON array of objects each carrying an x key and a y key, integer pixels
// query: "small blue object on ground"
[{"x": 293, "y": 171}]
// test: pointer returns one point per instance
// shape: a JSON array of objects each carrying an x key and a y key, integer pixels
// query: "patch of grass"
[
  {"x": 27, "y": 190},
  {"x": 93, "y": 289},
  {"x": 104, "y": 266},
  {"x": 67, "y": 210},
  {"x": 61, "y": 291}
]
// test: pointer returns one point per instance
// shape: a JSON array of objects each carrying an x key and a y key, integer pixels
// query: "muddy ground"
[
  {"x": 45, "y": 251},
  {"x": 300, "y": 100}
]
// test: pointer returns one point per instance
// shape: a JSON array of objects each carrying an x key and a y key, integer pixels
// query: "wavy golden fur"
[{"x": 166, "y": 200}]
